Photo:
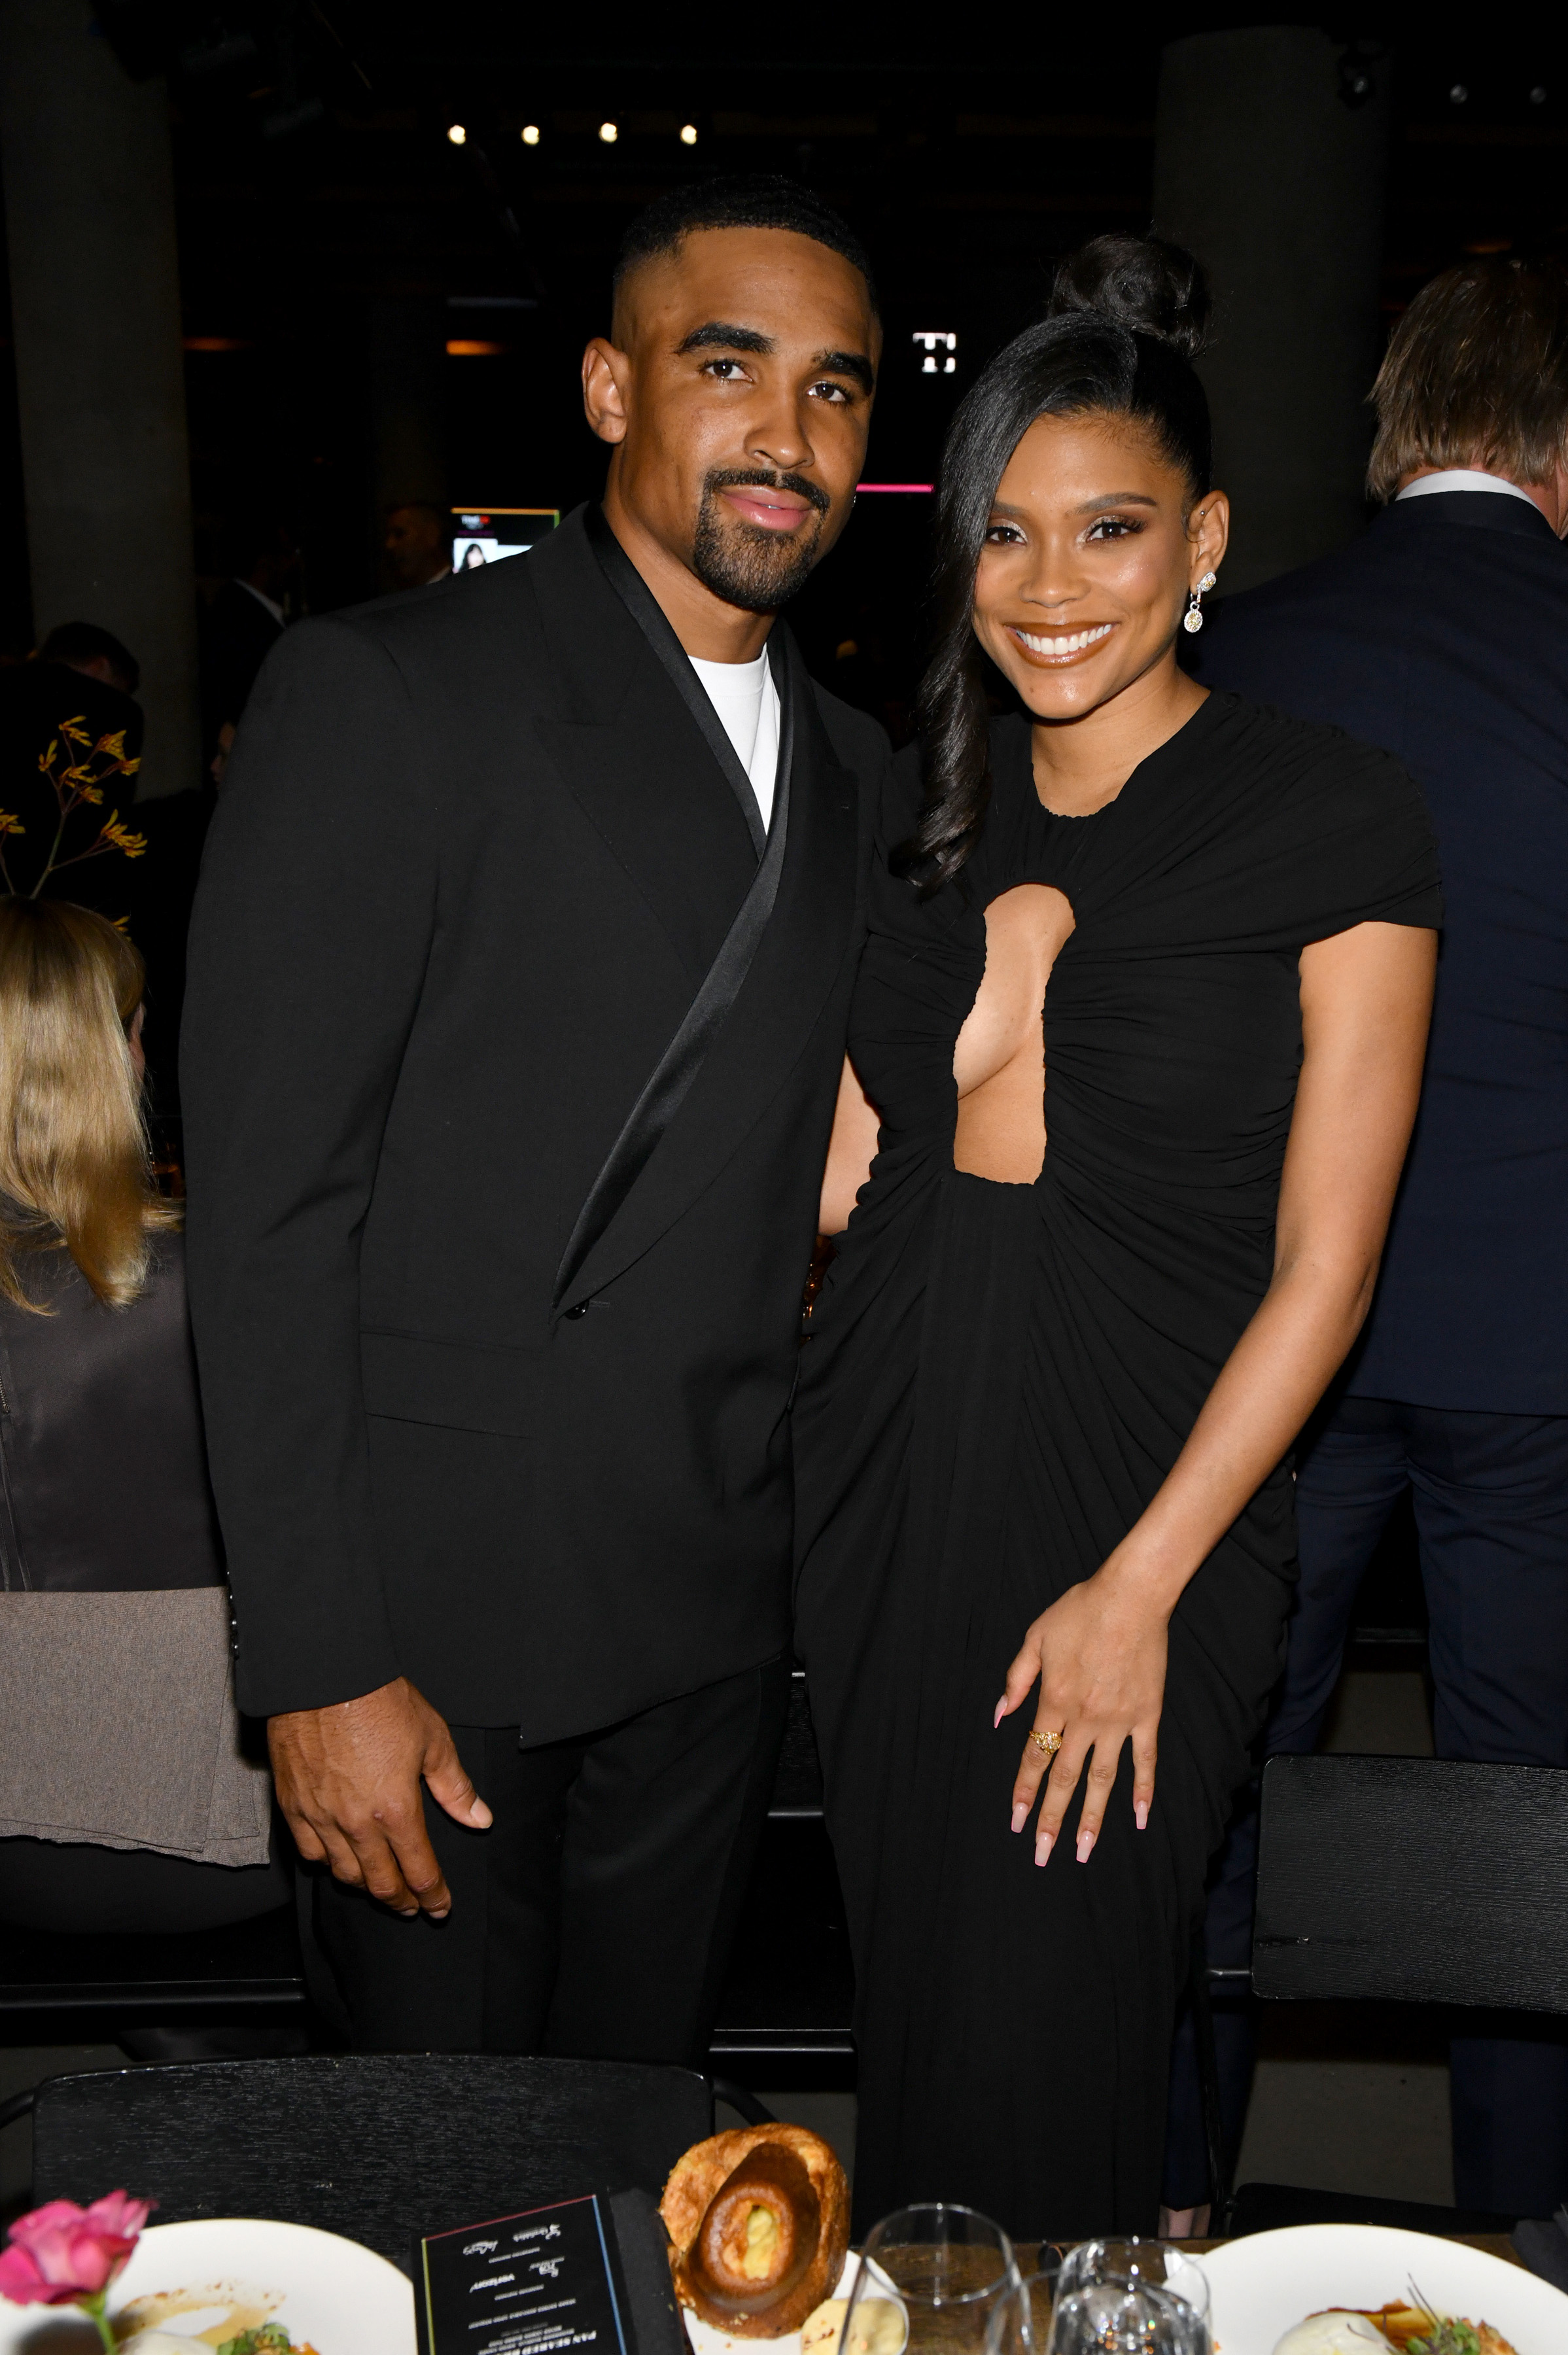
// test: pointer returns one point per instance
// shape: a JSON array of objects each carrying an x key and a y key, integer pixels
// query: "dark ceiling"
[{"x": 315, "y": 173}]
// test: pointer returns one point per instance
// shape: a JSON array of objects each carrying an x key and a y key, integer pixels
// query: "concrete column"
[
  {"x": 1265, "y": 171},
  {"x": 90, "y": 224},
  {"x": 407, "y": 353}
]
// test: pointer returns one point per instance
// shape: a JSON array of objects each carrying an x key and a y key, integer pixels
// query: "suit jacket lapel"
[
  {"x": 796, "y": 961},
  {"x": 650, "y": 617},
  {"x": 634, "y": 759}
]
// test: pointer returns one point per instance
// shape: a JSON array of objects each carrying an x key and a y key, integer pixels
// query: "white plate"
[
  {"x": 707, "y": 2341},
  {"x": 328, "y": 2293},
  {"x": 1264, "y": 2284}
]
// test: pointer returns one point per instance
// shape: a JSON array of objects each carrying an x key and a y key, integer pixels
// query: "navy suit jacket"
[{"x": 1441, "y": 635}]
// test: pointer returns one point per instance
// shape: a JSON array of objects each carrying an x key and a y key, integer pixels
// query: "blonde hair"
[
  {"x": 1476, "y": 375},
  {"x": 75, "y": 1168}
]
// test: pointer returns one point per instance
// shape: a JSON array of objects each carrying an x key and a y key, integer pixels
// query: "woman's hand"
[{"x": 1099, "y": 1654}]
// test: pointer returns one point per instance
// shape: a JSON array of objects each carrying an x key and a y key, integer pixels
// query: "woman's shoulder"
[
  {"x": 1344, "y": 819},
  {"x": 1282, "y": 755},
  {"x": 55, "y": 1284}
]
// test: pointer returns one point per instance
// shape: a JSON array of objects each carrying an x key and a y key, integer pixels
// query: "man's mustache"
[{"x": 736, "y": 478}]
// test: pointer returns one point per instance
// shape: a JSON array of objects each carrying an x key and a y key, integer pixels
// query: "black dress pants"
[
  {"x": 594, "y": 1918},
  {"x": 1490, "y": 1499}
]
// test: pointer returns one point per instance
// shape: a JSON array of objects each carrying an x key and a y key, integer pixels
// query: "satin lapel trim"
[
  {"x": 792, "y": 975},
  {"x": 649, "y": 615},
  {"x": 678, "y": 1066}
]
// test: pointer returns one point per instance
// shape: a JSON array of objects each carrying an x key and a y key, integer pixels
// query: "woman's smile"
[{"x": 1035, "y": 648}]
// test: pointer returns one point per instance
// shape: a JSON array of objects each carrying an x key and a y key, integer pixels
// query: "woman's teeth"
[{"x": 1065, "y": 645}]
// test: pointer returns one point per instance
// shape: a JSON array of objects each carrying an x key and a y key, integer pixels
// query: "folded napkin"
[{"x": 1543, "y": 2247}]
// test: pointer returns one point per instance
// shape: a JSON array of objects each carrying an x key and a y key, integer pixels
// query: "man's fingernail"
[
  {"x": 1043, "y": 1846},
  {"x": 1001, "y": 1712},
  {"x": 1085, "y": 1847},
  {"x": 408, "y": 1913},
  {"x": 1020, "y": 1817},
  {"x": 439, "y": 1912},
  {"x": 480, "y": 1814},
  {"x": 1140, "y": 1814}
]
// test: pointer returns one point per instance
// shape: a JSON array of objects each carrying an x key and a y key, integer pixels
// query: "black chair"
[
  {"x": 378, "y": 2147},
  {"x": 787, "y": 1999},
  {"x": 249, "y": 1971},
  {"x": 1395, "y": 1880}
]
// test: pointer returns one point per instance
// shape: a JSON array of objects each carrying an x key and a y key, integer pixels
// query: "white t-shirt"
[{"x": 747, "y": 702}]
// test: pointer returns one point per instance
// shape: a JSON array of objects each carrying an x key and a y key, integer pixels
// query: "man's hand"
[{"x": 348, "y": 1781}]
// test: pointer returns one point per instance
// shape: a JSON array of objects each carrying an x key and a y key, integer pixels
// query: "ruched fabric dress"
[{"x": 999, "y": 1378}]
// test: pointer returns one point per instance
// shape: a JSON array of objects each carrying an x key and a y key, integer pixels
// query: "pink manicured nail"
[
  {"x": 1001, "y": 1712},
  {"x": 1140, "y": 1814},
  {"x": 1085, "y": 1847},
  {"x": 1020, "y": 1817},
  {"x": 1046, "y": 1843}
]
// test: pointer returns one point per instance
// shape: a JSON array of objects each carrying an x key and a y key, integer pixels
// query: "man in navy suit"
[{"x": 1443, "y": 634}]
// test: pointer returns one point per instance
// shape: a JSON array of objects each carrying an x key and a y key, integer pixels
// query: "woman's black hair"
[{"x": 1126, "y": 319}]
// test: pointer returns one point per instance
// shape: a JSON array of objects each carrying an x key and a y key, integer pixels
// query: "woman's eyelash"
[{"x": 1117, "y": 524}]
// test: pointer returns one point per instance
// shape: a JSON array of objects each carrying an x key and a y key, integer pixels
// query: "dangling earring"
[{"x": 1193, "y": 617}]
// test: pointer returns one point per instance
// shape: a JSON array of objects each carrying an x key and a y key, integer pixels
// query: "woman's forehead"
[{"x": 1062, "y": 462}]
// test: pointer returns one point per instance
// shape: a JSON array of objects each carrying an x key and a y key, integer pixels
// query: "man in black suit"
[
  {"x": 1440, "y": 635},
  {"x": 520, "y": 983},
  {"x": 244, "y": 622}
]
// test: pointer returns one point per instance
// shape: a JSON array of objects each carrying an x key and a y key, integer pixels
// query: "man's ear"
[{"x": 606, "y": 387}]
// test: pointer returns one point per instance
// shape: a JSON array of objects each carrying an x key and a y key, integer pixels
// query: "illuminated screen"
[{"x": 485, "y": 534}]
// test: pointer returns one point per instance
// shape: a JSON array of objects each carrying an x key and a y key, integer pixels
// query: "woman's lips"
[
  {"x": 774, "y": 510},
  {"x": 1043, "y": 646}
]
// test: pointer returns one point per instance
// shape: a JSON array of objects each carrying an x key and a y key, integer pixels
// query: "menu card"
[{"x": 545, "y": 2281}]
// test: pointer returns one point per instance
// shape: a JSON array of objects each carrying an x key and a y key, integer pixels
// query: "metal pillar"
[
  {"x": 90, "y": 221},
  {"x": 1270, "y": 147}
]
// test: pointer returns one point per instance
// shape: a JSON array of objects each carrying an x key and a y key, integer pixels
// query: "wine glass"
[
  {"x": 1135, "y": 2260},
  {"x": 1124, "y": 2317},
  {"x": 1040, "y": 2295},
  {"x": 953, "y": 2273}
]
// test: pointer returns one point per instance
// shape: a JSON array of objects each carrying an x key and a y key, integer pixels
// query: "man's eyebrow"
[
  {"x": 718, "y": 333},
  {"x": 853, "y": 364}
]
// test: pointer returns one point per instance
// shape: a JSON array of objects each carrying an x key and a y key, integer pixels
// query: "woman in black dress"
[{"x": 1044, "y": 1418}]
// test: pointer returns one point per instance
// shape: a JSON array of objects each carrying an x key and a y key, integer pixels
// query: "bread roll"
[{"x": 758, "y": 2227}]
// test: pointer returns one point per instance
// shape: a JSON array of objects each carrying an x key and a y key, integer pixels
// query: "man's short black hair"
[
  {"x": 84, "y": 642},
  {"x": 740, "y": 200}
]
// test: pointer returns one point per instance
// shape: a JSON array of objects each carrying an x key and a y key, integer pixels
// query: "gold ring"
[{"x": 1047, "y": 1744}]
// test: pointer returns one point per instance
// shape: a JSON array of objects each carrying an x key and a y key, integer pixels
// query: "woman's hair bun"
[{"x": 1142, "y": 283}]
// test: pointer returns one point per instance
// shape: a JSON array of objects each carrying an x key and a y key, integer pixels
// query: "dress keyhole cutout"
[{"x": 999, "y": 1060}]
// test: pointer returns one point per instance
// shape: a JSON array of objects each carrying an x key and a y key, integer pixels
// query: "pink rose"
[{"x": 64, "y": 2255}]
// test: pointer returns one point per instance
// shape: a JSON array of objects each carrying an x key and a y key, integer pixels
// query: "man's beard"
[{"x": 745, "y": 563}]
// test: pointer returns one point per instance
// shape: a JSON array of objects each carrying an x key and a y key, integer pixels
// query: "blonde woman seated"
[{"x": 125, "y": 1801}]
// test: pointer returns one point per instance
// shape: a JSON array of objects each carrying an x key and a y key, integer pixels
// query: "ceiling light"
[
  {"x": 1537, "y": 95},
  {"x": 530, "y": 134},
  {"x": 688, "y": 134},
  {"x": 1459, "y": 94},
  {"x": 609, "y": 132},
  {"x": 457, "y": 134}
]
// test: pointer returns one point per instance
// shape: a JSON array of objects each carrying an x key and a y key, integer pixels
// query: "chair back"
[
  {"x": 379, "y": 2147},
  {"x": 1413, "y": 1880}
]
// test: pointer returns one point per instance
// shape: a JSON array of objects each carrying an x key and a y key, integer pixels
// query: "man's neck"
[{"x": 706, "y": 626}]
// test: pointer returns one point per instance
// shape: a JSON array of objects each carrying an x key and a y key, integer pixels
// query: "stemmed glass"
[
  {"x": 1131, "y": 2259},
  {"x": 954, "y": 2273}
]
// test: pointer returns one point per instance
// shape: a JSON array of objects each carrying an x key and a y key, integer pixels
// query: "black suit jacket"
[
  {"x": 473, "y": 861},
  {"x": 238, "y": 635},
  {"x": 1441, "y": 634}
]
